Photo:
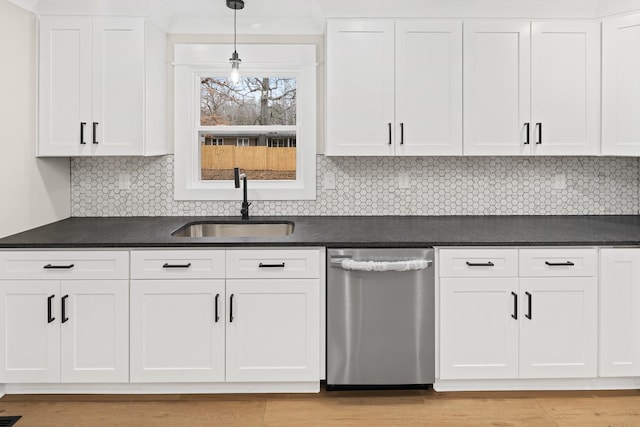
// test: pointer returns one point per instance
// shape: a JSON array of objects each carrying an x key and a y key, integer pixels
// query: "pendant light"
[{"x": 235, "y": 59}]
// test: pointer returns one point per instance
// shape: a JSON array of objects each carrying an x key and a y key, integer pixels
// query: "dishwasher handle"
[{"x": 405, "y": 265}]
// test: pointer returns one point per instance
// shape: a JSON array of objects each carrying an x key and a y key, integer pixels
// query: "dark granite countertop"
[{"x": 342, "y": 231}]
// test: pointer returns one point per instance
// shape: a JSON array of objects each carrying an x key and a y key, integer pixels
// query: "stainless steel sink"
[{"x": 235, "y": 229}]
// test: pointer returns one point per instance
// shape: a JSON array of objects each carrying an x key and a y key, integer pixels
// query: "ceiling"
[{"x": 308, "y": 16}]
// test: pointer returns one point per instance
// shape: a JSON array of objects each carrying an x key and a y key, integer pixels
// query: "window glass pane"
[
  {"x": 254, "y": 101},
  {"x": 266, "y": 155}
]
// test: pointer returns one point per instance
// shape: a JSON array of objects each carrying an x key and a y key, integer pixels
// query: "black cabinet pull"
[
  {"x": 515, "y": 306},
  {"x": 559, "y": 264},
  {"x": 480, "y": 264},
  {"x": 217, "y": 317},
  {"x": 231, "y": 309},
  {"x": 95, "y": 126},
  {"x": 82, "y": 125},
  {"x": 58, "y": 267},
  {"x": 64, "y": 309},
  {"x": 167, "y": 265},
  {"x": 539, "y": 126},
  {"x": 261, "y": 265},
  {"x": 526, "y": 139},
  {"x": 401, "y": 133},
  {"x": 50, "y": 317},
  {"x": 528, "y": 315},
  {"x": 389, "y": 133}
]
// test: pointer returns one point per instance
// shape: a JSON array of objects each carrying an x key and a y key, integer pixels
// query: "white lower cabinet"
[
  {"x": 544, "y": 326},
  {"x": 478, "y": 335},
  {"x": 177, "y": 330},
  {"x": 261, "y": 324},
  {"x": 65, "y": 317},
  {"x": 69, "y": 331},
  {"x": 273, "y": 330},
  {"x": 619, "y": 312},
  {"x": 558, "y": 327}
]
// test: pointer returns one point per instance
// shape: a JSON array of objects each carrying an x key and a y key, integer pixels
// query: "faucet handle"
[{"x": 236, "y": 175}]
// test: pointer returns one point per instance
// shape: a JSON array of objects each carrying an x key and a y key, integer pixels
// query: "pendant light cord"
[{"x": 234, "y": 30}]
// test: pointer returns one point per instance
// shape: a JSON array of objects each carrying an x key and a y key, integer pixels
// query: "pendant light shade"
[{"x": 235, "y": 59}]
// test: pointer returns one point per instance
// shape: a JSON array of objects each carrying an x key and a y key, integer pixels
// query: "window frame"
[
  {"x": 192, "y": 62},
  {"x": 240, "y": 142}
]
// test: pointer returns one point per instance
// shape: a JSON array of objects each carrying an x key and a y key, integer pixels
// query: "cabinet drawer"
[
  {"x": 250, "y": 264},
  {"x": 558, "y": 262},
  {"x": 64, "y": 265},
  {"x": 478, "y": 262},
  {"x": 187, "y": 264}
]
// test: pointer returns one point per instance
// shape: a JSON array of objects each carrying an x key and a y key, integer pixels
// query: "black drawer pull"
[
  {"x": 167, "y": 265},
  {"x": 261, "y": 265},
  {"x": 231, "y": 308},
  {"x": 216, "y": 313},
  {"x": 58, "y": 267},
  {"x": 95, "y": 126},
  {"x": 527, "y": 133},
  {"x": 529, "y": 298},
  {"x": 515, "y": 305},
  {"x": 50, "y": 317},
  {"x": 559, "y": 264},
  {"x": 64, "y": 309},
  {"x": 389, "y": 125},
  {"x": 82, "y": 125},
  {"x": 539, "y": 126},
  {"x": 480, "y": 264}
]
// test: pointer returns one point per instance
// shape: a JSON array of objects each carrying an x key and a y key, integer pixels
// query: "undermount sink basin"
[{"x": 235, "y": 229}]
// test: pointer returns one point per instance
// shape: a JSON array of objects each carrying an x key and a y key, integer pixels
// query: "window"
[
  {"x": 264, "y": 124},
  {"x": 211, "y": 140}
]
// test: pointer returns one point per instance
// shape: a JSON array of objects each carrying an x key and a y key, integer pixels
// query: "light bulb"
[
  {"x": 235, "y": 68},
  {"x": 234, "y": 76}
]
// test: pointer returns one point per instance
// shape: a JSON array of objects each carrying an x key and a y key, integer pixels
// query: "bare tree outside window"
[{"x": 254, "y": 101}]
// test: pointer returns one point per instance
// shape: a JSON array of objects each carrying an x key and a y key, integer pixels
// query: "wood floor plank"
[
  {"x": 593, "y": 411},
  {"x": 347, "y": 408},
  {"x": 137, "y": 414},
  {"x": 365, "y": 411}
]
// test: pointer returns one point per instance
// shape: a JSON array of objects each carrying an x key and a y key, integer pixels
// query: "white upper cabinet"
[
  {"x": 428, "y": 88},
  {"x": 497, "y": 92},
  {"x": 565, "y": 88},
  {"x": 394, "y": 88},
  {"x": 360, "y": 92},
  {"x": 621, "y": 86},
  {"x": 102, "y": 87},
  {"x": 532, "y": 88}
]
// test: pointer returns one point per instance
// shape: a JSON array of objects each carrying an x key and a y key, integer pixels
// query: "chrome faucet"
[{"x": 244, "y": 211}]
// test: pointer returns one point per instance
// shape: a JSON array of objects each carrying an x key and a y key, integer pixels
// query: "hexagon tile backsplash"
[{"x": 369, "y": 186}]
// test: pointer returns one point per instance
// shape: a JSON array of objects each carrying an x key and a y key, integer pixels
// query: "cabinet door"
[
  {"x": 428, "y": 88},
  {"x": 95, "y": 331},
  {"x": 558, "y": 327},
  {"x": 565, "y": 88},
  {"x": 620, "y": 312},
  {"x": 496, "y": 87},
  {"x": 30, "y": 331},
  {"x": 478, "y": 328},
  {"x": 118, "y": 59},
  {"x": 177, "y": 330},
  {"x": 273, "y": 330},
  {"x": 360, "y": 88},
  {"x": 65, "y": 86},
  {"x": 621, "y": 86}
]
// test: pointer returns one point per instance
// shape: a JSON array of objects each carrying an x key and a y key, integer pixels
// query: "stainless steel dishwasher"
[{"x": 380, "y": 318}]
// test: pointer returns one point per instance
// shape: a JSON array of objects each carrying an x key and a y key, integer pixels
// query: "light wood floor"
[{"x": 379, "y": 408}]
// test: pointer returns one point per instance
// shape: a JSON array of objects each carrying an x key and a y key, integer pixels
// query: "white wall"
[{"x": 33, "y": 191}]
